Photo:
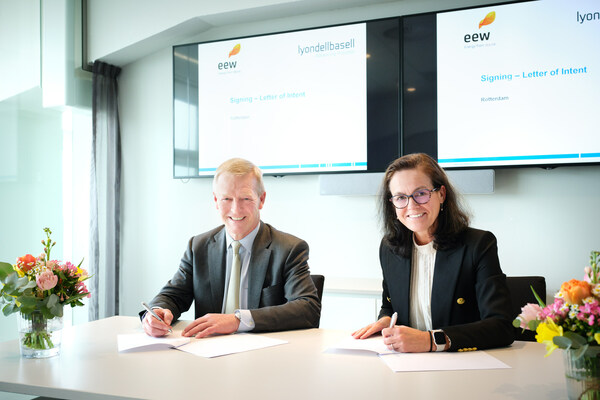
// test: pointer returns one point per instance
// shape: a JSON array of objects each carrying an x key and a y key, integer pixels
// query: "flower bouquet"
[
  {"x": 38, "y": 288},
  {"x": 572, "y": 323}
]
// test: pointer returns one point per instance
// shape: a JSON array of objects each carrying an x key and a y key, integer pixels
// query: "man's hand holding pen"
[{"x": 154, "y": 326}]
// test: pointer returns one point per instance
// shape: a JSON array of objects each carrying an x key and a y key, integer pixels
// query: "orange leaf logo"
[
  {"x": 235, "y": 50},
  {"x": 488, "y": 19}
]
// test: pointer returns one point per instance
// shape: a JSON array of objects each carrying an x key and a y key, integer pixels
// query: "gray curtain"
[{"x": 105, "y": 192}]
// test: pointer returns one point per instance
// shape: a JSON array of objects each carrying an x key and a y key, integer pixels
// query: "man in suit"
[{"x": 272, "y": 289}]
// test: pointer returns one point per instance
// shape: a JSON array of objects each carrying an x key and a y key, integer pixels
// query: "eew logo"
[
  {"x": 230, "y": 64},
  {"x": 479, "y": 37}
]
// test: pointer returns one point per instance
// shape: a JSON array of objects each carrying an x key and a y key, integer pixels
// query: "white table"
[{"x": 89, "y": 367}]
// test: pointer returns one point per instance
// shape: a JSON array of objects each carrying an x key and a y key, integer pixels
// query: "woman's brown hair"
[{"x": 452, "y": 219}]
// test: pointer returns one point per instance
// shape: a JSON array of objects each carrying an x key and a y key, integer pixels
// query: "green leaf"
[
  {"x": 30, "y": 285},
  {"x": 22, "y": 284},
  {"x": 592, "y": 351},
  {"x": 29, "y": 310},
  {"x": 533, "y": 324},
  {"x": 61, "y": 275},
  {"x": 537, "y": 297},
  {"x": 56, "y": 310},
  {"x": 5, "y": 270},
  {"x": 47, "y": 312},
  {"x": 11, "y": 279},
  {"x": 27, "y": 300},
  {"x": 517, "y": 323},
  {"x": 75, "y": 298},
  {"x": 578, "y": 340},
  {"x": 563, "y": 342},
  {"x": 9, "y": 309},
  {"x": 7, "y": 298},
  {"x": 52, "y": 300}
]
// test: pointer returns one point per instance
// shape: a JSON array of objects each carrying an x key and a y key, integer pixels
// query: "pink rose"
[
  {"x": 528, "y": 313},
  {"x": 46, "y": 280}
]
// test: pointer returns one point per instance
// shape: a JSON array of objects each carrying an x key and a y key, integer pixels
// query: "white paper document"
[
  {"x": 406, "y": 362},
  {"x": 132, "y": 342},
  {"x": 373, "y": 344},
  {"x": 228, "y": 344},
  {"x": 443, "y": 361},
  {"x": 208, "y": 347}
]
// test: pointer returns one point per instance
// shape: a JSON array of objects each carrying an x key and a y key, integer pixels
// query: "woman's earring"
[{"x": 442, "y": 207}]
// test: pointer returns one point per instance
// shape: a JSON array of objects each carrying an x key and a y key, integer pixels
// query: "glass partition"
[{"x": 44, "y": 182}]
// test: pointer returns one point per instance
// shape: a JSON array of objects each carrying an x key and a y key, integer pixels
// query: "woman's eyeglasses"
[{"x": 420, "y": 196}]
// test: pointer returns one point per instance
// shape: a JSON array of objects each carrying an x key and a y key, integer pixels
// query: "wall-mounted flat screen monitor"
[
  {"x": 506, "y": 85},
  {"x": 312, "y": 101}
]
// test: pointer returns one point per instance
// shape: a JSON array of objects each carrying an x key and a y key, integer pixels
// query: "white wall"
[
  {"x": 122, "y": 31},
  {"x": 546, "y": 221},
  {"x": 118, "y": 24}
]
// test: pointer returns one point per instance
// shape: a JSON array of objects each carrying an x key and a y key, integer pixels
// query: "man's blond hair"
[{"x": 239, "y": 167}]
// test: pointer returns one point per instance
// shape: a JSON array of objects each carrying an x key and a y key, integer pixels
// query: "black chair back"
[{"x": 319, "y": 281}]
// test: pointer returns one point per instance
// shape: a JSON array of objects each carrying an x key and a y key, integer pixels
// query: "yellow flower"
[
  {"x": 18, "y": 271},
  {"x": 546, "y": 332},
  {"x": 597, "y": 337}
]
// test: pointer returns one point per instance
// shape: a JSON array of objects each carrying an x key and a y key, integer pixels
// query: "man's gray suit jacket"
[{"x": 281, "y": 294}]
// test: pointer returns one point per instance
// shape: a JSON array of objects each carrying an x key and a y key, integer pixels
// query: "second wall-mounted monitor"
[{"x": 505, "y": 85}]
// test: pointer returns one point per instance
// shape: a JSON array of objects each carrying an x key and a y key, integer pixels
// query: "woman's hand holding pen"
[
  {"x": 406, "y": 340},
  {"x": 398, "y": 338}
]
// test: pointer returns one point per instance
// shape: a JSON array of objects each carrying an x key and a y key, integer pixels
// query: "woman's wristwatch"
[{"x": 439, "y": 340}]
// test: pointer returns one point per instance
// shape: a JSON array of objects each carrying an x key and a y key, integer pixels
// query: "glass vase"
[
  {"x": 39, "y": 337},
  {"x": 583, "y": 376}
]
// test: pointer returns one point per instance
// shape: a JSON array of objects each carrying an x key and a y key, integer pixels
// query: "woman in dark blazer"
[{"x": 441, "y": 277}]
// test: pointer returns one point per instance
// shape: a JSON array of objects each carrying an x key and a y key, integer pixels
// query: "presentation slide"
[
  {"x": 302, "y": 93},
  {"x": 519, "y": 84}
]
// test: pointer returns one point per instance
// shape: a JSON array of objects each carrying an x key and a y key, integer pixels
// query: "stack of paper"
[
  {"x": 228, "y": 344},
  {"x": 405, "y": 362},
  {"x": 213, "y": 346},
  {"x": 132, "y": 342}
]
